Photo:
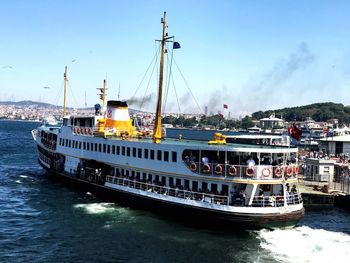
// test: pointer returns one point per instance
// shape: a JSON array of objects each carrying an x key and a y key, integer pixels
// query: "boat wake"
[
  {"x": 96, "y": 208},
  {"x": 304, "y": 244}
]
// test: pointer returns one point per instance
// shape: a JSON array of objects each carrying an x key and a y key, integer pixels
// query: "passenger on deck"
[
  {"x": 205, "y": 160},
  {"x": 250, "y": 162}
]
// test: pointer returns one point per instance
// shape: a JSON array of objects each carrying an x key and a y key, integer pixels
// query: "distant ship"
[{"x": 248, "y": 181}]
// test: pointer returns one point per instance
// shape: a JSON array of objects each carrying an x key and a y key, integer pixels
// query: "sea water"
[{"x": 45, "y": 221}]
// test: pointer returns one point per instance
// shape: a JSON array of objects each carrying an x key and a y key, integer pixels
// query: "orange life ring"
[
  {"x": 193, "y": 166},
  {"x": 289, "y": 171},
  {"x": 263, "y": 172},
  {"x": 249, "y": 171},
  {"x": 278, "y": 171},
  {"x": 90, "y": 131},
  {"x": 78, "y": 130},
  {"x": 296, "y": 170},
  {"x": 218, "y": 169},
  {"x": 86, "y": 131},
  {"x": 232, "y": 171},
  {"x": 206, "y": 168}
]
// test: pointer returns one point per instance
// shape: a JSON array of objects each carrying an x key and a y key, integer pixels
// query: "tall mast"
[
  {"x": 104, "y": 94},
  {"x": 65, "y": 91},
  {"x": 157, "y": 133}
]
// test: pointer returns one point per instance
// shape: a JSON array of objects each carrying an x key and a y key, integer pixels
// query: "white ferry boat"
[{"x": 239, "y": 180}]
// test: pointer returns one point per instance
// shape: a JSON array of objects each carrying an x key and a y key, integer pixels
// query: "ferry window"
[
  {"x": 104, "y": 148},
  {"x": 69, "y": 142},
  {"x": 138, "y": 175},
  {"x": 123, "y": 150},
  {"x": 118, "y": 150},
  {"x": 84, "y": 145},
  {"x": 171, "y": 182},
  {"x": 92, "y": 146},
  {"x": 174, "y": 157},
  {"x": 178, "y": 182},
  {"x": 214, "y": 188},
  {"x": 150, "y": 177},
  {"x": 79, "y": 145},
  {"x": 127, "y": 172},
  {"x": 95, "y": 147},
  {"x": 159, "y": 155},
  {"x": 113, "y": 149},
  {"x": 133, "y": 173},
  {"x": 194, "y": 186},
  {"x": 145, "y": 153},
  {"x": 60, "y": 141},
  {"x": 163, "y": 180},
  {"x": 144, "y": 176},
  {"x": 128, "y": 151},
  {"x": 88, "y": 146},
  {"x": 99, "y": 147},
  {"x": 65, "y": 122},
  {"x": 152, "y": 155},
  {"x": 204, "y": 186},
  {"x": 166, "y": 156},
  {"x": 139, "y": 152},
  {"x": 66, "y": 142},
  {"x": 224, "y": 189},
  {"x": 187, "y": 184},
  {"x": 133, "y": 151},
  {"x": 108, "y": 148}
]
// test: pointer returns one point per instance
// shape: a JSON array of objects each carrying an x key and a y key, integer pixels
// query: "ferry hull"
[{"x": 188, "y": 214}]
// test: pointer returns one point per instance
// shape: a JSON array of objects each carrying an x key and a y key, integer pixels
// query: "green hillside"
[{"x": 317, "y": 111}]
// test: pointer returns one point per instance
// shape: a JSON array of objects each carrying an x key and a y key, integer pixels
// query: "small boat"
[{"x": 248, "y": 181}]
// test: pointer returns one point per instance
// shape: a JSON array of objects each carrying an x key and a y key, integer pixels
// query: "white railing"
[
  {"x": 168, "y": 191},
  {"x": 261, "y": 172},
  {"x": 276, "y": 201}
]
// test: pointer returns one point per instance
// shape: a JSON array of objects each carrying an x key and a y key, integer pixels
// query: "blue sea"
[{"x": 45, "y": 221}]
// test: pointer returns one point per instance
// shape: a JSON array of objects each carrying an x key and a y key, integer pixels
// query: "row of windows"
[
  {"x": 121, "y": 150},
  {"x": 172, "y": 181}
]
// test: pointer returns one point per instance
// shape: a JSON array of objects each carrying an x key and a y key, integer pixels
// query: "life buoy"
[
  {"x": 86, "y": 131},
  {"x": 218, "y": 169},
  {"x": 289, "y": 171},
  {"x": 296, "y": 170},
  {"x": 232, "y": 171},
  {"x": 206, "y": 168},
  {"x": 278, "y": 171},
  {"x": 193, "y": 167},
  {"x": 266, "y": 172},
  {"x": 78, "y": 130},
  {"x": 90, "y": 131},
  {"x": 249, "y": 171},
  {"x": 75, "y": 129}
]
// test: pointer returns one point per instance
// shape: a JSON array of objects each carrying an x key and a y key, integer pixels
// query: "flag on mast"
[{"x": 225, "y": 106}]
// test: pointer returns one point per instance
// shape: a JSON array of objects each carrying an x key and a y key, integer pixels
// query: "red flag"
[
  {"x": 225, "y": 106},
  {"x": 294, "y": 132}
]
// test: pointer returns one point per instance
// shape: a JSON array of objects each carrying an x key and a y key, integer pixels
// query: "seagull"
[
  {"x": 8, "y": 66},
  {"x": 74, "y": 60},
  {"x": 46, "y": 87}
]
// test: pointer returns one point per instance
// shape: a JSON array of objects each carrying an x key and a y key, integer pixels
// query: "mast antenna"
[
  {"x": 157, "y": 133},
  {"x": 65, "y": 91}
]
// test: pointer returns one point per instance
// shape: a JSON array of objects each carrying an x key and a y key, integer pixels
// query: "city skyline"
[{"x": 252, "y": 56}]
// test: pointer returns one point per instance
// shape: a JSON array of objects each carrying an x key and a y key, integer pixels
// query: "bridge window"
[
  {"x": 145, "y": 153},
  {"x": 139, "y": 152},
  {"x": 152, "y": 155},
  {"x": 159, "y": 155},
  {"x": 128, "y": 151},
  {"x": 166, "y": 156},
  {"x": 133, "y": 151},
  {"x": 123, "y": 150},
  {"x": 174, "y": 156},
  {"x": 113, "y": 149}
]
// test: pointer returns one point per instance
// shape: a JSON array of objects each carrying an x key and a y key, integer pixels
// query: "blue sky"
[{"x": 251, "y": 55}]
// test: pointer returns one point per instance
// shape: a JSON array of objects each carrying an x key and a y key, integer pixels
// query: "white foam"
[
  {"x": 18, "y": 182},
  {"x": 23, "y": 176},
  {"x": 96, "y": 208},
  {"x": 304, "y": 244}
]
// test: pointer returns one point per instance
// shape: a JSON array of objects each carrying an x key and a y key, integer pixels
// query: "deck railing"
[
  {"x": 260, "y": 172},
  {"x": 168, "y": 191},
  {"x": 276, "y": 201}
]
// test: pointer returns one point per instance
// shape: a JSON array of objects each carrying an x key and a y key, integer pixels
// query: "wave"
[{"x": 304, "y": 244}]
